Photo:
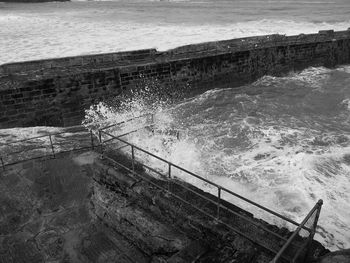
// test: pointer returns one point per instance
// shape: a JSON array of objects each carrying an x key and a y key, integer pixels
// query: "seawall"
[
  {"x": 173, "y": 221},
  {"x": 56, "y": 91}
]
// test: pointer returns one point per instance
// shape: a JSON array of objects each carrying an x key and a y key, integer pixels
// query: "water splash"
[
  {"x": 283, "y": 142},
  {"x": 148, "y": 96}
]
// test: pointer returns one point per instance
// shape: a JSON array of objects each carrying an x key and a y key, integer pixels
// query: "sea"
[{"x": 283, "y": 142}]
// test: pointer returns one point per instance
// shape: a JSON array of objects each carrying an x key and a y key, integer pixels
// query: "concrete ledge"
[{"x": 56, "y": 92}]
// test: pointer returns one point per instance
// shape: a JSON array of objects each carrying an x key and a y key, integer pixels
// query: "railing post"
[
  {"x": 2, "y": 164},
  {"x": 319, "y": 206},
  {"x": 92, "y": 140},
  {"x": 169, "y": 175},
  {"x": 100, "y": 141},
  {"x": 313, "y": 229},
  {"x": 218, "y": 203},
  {"x": 133, "y": 159},
  {"x": 53, "y": 151},
  {"x": 317, "y": 209}
]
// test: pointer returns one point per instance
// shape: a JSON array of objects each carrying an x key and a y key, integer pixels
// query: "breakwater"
[{"x": 56, "y": 91}]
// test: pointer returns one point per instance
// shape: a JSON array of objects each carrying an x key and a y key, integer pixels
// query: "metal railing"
[
  {"x": 311, "y": 219},
  {"x": 47, "y": 148},
  {"x": 146, "y": 116},
  {"x": 44, "y": 146},
  {"x": 294, "y": 248},
  {"x": 271, "y": 240}
]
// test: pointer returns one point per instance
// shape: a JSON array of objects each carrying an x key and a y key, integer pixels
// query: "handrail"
[
  {"x": 77, "y": 128},
  {"x": 131, "y": 119},
  {"x": 279, "y": 252},
  {"x": 195, "y": 207},
  {"x": 51, "y": 145},
  {"x": 207, "y": 181},
  {"x": 41, "y": 136},
  {"x": 317, "y": 207}
]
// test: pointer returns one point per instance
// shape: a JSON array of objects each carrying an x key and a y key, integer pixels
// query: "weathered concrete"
[
  {"x": 341, "y": 256},
  {"x": 161, "y": 224},
  {"x": 45, "y": 216},
  {"x": 77, "y": 209},
  {"x": 56, "y": 91},
  {"x": 85, "y": 209}
]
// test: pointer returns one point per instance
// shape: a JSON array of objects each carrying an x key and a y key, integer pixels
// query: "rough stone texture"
[
  {"x": 56, "y": 92},
  {"x": 341, "y": 256},
  {"x": 160, "y": 224},
  {"x": 45, "y": 216},
  {"x": 83, "y": 209}
]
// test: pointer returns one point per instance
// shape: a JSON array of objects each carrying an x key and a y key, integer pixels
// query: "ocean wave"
[
  {"x": 234, "y": 139},
  {"x": 30, "y": 36}
]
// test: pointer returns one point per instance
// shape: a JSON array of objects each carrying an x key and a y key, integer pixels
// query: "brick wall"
[
  {"x": 56, "y": 92},
  {"x": 77, "y": 61}
]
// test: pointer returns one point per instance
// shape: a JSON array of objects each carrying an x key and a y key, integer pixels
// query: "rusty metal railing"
[{"x": 271, "y": 241}]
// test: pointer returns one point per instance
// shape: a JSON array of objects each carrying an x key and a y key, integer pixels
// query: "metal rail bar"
[
  {"x": 218, "y": 202},
  {"x": 209, "y": 182},
  {"x": 133, "y": 131},
  {"x": 204, "y": 197},
  {"x": 197, "y": 208},
  {"x": 41, "y": 136},
  {"x": 122, "y": 122},
  {"x": 312, "y": 234},
  {"x": 23, "y": 140},
  {"x": 317, "y": 206},
  {"x": 42, "y": 147},
  {"x": 233, "y": 212},
  {"x": 74, "y": 149},
  {"x": 47, "y": 155},
  {"x": 30, "y": 149}
]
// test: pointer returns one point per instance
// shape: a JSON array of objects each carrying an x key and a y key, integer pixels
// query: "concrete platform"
[{"x": 44, "y": 216}]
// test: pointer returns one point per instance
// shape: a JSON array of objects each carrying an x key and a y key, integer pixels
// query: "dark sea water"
[{"x": 281, "y": 141}]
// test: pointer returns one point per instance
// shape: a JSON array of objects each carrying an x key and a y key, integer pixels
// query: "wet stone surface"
[
  {"x": 82, "y": 209},
  {"x": 45, "y": 217}
]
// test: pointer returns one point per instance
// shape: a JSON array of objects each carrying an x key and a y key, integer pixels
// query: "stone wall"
[
  {"x": 162, "y": 227},
  {"x": 149, "y": 212},
  {"x": 56, "y": 91}
]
